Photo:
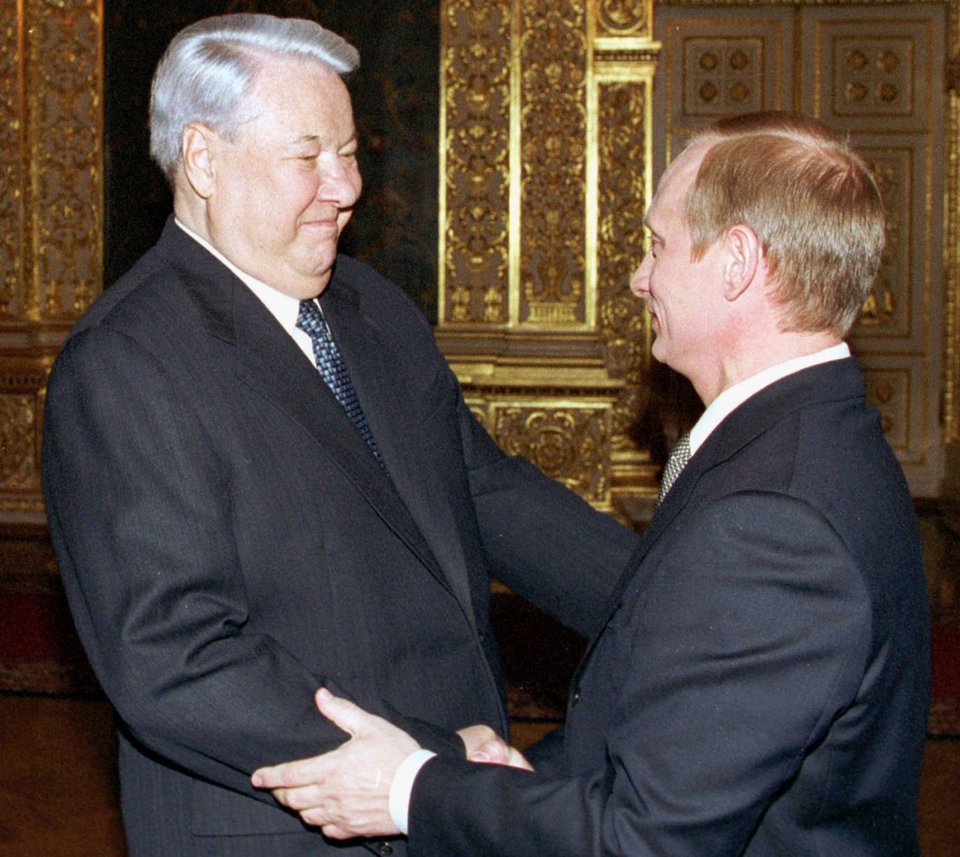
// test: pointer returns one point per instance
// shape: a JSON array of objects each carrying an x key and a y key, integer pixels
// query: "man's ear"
[
  {"x": 743, "y": 260},
  {"x": 197, "y": 145}
]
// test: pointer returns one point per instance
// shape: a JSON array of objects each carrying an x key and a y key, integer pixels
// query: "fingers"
[
  {"x": 301, "y": 772},
  {"x": 493, "y": 752},
  {"x": 474, "y": 737},
  {"x": 516, "y": 759},
  {"x": 349, "y": 717}
]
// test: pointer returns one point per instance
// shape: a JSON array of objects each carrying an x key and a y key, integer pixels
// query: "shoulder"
[{"x": 375, "y": 294}]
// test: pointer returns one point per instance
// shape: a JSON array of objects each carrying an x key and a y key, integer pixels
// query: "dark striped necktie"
[{"x": 334, "y": 371}]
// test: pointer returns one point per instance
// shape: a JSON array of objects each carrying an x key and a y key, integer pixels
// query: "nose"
[
  {"x": 640, "y": 281},
  {"x": 340, "y": 182}
]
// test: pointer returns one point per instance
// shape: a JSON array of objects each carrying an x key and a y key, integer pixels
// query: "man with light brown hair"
[{"x": 760, "y": 685}]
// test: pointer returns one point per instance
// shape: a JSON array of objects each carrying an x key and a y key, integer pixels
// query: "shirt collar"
[
  {"x": 283, "y": 308},
  {"x": 736, "y": 395}
]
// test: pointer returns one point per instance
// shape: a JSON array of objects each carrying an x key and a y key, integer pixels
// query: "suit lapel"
[
  {"x": 833, "y": 381},
  {"x": 367, "y": 349}
]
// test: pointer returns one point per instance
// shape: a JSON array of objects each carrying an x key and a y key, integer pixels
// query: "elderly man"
[
  {"x": 760, "y": 686},
  {"x": 261, "y": 476}
]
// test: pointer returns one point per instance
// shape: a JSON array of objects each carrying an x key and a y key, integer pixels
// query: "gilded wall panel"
[
  {"x": 889, "y": 310},
  {"x": 723, "y": 76},
  {"x": 623, "y": 159},
  {"x": 896, "y": 387},
  {"x": 717, "y": 62},
  {"x": 11, "y": 158},
  {"x": 873, "y": 72},
  {"x": 553, "y": 53},
  {"x": 51, "y": 132},
  {"x": 569, "y": 442},
  {"x": 536, "y": 334},
  {"x": 873, "y": 77},
  {"x": 62, "y": 82},
  {"x": 876, "y": 72},
  {"x": 18, "y": 422},
  {"x": 475, "y": 162},
  {"x": 889, "y": 392}
]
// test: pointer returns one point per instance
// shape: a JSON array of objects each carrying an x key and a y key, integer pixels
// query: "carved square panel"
[
  {"x": 872, "y": 67},
  {"x": 713, "y": 65},
  {"x": 18, "y": 443},
  {"x": 896, "y": 387},
  {"x": 872, "y": 76},
  {"x": 722, "y": 76},
  {"x": 568, "y": 442},
  {"x": 889, "y": 310}
]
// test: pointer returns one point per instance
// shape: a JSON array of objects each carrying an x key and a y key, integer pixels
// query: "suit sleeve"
[
  {"x": 138, "y": 506},
  {"x": 722, "y": 667},
  {"x": 542, "y": 540}
]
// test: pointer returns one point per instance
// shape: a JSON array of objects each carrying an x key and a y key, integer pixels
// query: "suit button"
[
  {"x": 384, "y": 849},
  {"x": 575, "y": 698}
]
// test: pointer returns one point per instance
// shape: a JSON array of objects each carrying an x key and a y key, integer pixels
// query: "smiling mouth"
[{"x": 321, "y": 224}]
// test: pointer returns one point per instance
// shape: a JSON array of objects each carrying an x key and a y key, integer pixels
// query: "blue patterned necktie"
[
  {"x": 675, "y": 463},
  {"x": 334, "y": 370}
]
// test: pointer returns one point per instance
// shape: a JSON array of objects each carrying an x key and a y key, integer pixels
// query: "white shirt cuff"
[{"x": 402, "y": 787}]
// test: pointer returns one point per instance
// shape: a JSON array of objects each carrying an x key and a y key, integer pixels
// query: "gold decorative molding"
[
  {"x": 546, "y": 176},
  {"x": 475, "y": 161},
  {"x": 553, "y": 118},
  {"x": 51, "y": 257}
]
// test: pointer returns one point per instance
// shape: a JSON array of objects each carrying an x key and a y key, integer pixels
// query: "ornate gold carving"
[
  {"x": 887, "y": 307},
  {"x": 722, "y": 75},
  {"x": 553, "y": 193},
  {"x": 624, "y": 17},
  {"x": 18, "y": 465},
  {"x": 475, "y": 163},
  {"x": 568, "y": 444},
  {"x": 11, "y": 158},
  {"x": 63, "y": 85},
  {"x": 51, "y": 128},
  {"x": 622, "y": 203},
  {"x": 554, "y": 356},
  {"x": 873, "y": 76}
]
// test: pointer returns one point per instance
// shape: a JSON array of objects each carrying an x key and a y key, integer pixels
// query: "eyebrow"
[{"x": 318, "y": 138}]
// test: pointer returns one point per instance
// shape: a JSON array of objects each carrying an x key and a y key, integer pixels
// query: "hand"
[
  {"x": 485, "y": 746},
  {"x": 344, "y": 792},
  {"x": 474, "y": 737}
]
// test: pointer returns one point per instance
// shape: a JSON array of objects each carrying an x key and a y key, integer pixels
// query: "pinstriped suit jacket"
[{"x": 228, "y": 543}]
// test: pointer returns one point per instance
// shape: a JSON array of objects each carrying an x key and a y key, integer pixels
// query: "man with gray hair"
[
  {"x": 760, "y": 686},
  {"x": 261, "y": 477}
]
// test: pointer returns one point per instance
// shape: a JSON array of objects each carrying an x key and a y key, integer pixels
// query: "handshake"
[{"x": 363, "y": 787}]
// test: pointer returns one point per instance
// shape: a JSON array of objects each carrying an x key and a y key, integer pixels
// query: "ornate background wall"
[{"x": 540, "y": 218}]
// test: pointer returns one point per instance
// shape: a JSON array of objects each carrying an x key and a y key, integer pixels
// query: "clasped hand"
[{"x": 346, "y": 792}]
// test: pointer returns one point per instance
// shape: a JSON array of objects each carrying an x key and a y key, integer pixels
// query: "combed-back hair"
[
  {"x": 210, "y": 66},
  {"x": 811, "y": 200}
]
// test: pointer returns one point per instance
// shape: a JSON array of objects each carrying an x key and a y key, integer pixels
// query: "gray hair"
[{"x": 211, "y": 65}]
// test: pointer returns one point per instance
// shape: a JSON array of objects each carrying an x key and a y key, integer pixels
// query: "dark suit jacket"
[
  {"x": 228, "y": 542},
  {"x": 760, "y": 687}
]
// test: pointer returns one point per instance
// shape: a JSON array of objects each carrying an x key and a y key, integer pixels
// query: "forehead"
[
  {"x": 293, "y": 98},
  {"x": 667, "y": 205}
]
